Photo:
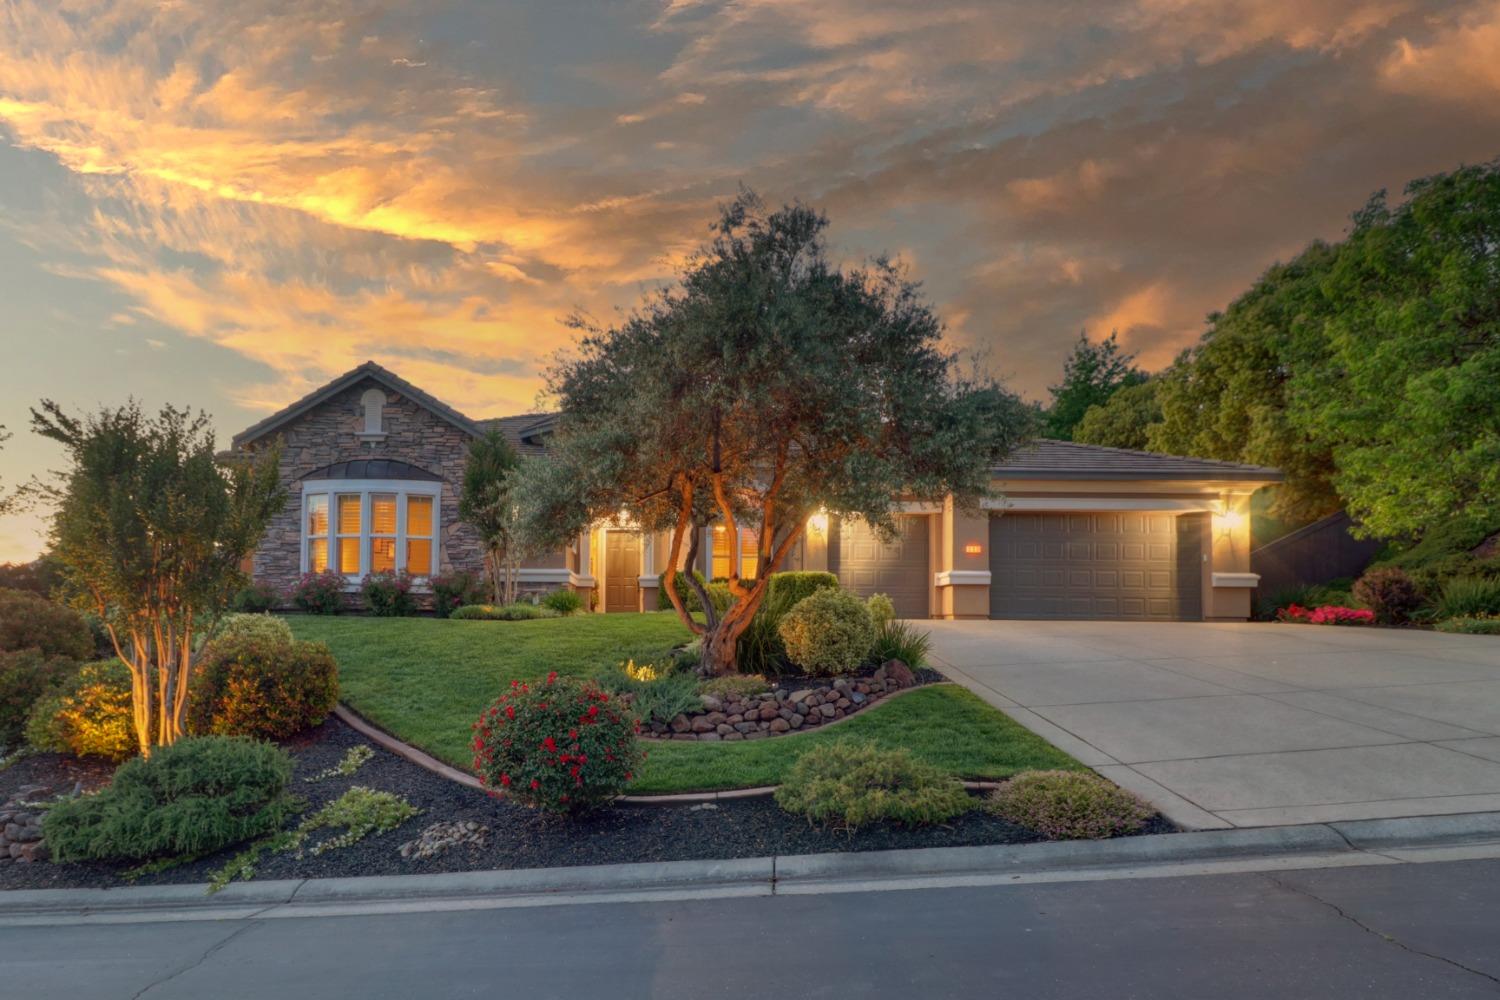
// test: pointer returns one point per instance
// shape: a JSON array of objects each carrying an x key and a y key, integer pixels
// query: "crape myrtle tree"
[
  {"x": 150, "y": 531},
  {"x": 767, "y": 384},
  {"x": 487, "y": 502}
]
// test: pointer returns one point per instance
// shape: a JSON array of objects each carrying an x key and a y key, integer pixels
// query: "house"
[{"x": 373, "y": 465}]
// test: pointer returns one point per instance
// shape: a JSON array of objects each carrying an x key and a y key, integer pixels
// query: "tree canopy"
[
  {"x": 1092, "y": 373},
  {"x": 765, "y": 385},
  {"x": 1124, "y": 420},
  {"x": 150, "y": 531},
  {"x": 486, "y": 501}
]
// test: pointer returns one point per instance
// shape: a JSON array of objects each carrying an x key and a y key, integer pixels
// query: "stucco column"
[
  {"x": 961, "y": 563},
  {"x": 1229, "y": 581},
  {"x": 583, "y": 579},
  {"x": 654, "y": 549},
  {"x": 815, "y": 543}
]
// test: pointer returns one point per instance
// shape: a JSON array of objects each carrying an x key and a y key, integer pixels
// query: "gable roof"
[
  {"x": 369, "y": 370},
  {"x": 1047, "y": 459},
  {"x": 526, "y": 432}
]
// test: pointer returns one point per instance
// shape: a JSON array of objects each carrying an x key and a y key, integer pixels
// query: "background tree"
[
  {"x": 1124, "y": 420},
  {"x": 150, "y": 531},
  {"x": 1091, "y": 375},
  {"x": 487, "y": 501},
  {"x": 765, "y": 385}
]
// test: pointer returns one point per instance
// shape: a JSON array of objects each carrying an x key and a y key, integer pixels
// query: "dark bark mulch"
[{"x": 518, "y": 837}]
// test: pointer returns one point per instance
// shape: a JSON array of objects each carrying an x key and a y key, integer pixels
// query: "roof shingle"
[{"x": 1047, "y": 459}]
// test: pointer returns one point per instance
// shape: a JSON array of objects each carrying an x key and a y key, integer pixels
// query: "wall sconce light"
[
  {"x": 972, "y": 548},
  {"x": 818, "y": 523},
  {"x": 1229, "y": 521}
]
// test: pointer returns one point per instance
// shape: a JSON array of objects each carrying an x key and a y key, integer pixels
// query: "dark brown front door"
[{"x": 622, "y": 571}]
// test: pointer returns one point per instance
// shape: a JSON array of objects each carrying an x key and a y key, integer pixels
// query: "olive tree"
[
  {"x": 151, "y": 530},
  {"x": 766, "y": 384}
]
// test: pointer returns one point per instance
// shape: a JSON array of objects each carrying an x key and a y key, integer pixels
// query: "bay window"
[{"x": 357, "y": 527}]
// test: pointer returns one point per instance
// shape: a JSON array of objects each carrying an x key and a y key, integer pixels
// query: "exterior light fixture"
[
  {"x": 1230, "y": 520},
  {"x": 973, "y": 548},
  {"x": 818, "y": 523}
]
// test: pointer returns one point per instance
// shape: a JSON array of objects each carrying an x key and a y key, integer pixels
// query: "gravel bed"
[{"x": 516, "y": 838}]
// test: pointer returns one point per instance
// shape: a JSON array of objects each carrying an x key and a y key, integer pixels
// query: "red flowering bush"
[
  {"x": 559, "y": 745},
  {"x": 1328, "y": 614},
  {"x": 319, "y": 593}
]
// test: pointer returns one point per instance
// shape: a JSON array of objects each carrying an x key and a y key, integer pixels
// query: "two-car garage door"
[{"x": 1096, "y": 565}]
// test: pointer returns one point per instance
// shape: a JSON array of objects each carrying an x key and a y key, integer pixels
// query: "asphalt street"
[{"x": 1400, "y": 931}]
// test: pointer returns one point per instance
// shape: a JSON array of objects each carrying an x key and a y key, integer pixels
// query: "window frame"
[{"x": 366, "y": 489}]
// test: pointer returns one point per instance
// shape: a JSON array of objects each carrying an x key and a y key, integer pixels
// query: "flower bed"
[
  {"x": 1328, "y": 614},
  {"x": 795, "y": 705}
]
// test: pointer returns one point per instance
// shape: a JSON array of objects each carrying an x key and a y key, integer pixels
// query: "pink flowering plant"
[
  {"x": 1328, "y": 614},
  {"x": 560, "y": 745},
  {"x": 319, "y": 593}
]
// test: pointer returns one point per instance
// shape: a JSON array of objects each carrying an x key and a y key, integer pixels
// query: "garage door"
[
  {"x": 1105, "y": 565},
  {"x": 899, "y": 568}
]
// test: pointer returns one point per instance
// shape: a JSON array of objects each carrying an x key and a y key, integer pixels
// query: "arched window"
[
  {"x": 371, "y": 516},
  {"x": 374, "y": 402}
]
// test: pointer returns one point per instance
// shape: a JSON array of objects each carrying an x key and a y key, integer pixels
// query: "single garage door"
[
  {"x": 899, "y": 568},
  {"x": 1104, "y": 565}
]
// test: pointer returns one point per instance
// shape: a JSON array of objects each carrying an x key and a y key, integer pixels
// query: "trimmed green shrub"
[
  {"x": 1390, "y": 593},
  {"x": 882, "y": 609},
  {"x": 1468, "y": 597},
  {"x": 794, "y": 585},
  {"x": 1069, "y": 805},
  {"x": 251, "y": 686},
  {"x": 255, "y": 598},
  {"x": 904, "y": 641},
  {"x": 1471, "y": 625},
  {"x": 564, "y": 602},
  {"x": 689, "y": 596},
  {"x": 29, "y": 621},
  {"x": 656, "y": 692},
  {"x": 319, "y": 593},
  {"x": 388, "y": 595},
  {"x": 454, "y": 590},
  {"x": 850, "y": 783},
  {"x": 735, "y": 686},
  {"x": 561, "y": 746},
  {"x": 262, "y": 626},
  {"x": 1337, "y": 593},
  {"x": 519, "y": 612},
  {"x": 26, "y": 676},
  {"x": 828, "y": 632},
  {"x": 88, "y": 715},
  {"x": 197, "y": 796},
  {"x": 760, "y": 649}
]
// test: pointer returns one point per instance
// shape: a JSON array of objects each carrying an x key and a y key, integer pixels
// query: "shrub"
[
  {"x": 249, "y": 685},
  {"x": 502, "y": 612},
  {"x": 388, "y": 595},
  {"x": 1390, "y": 593},
  {"x": 1476, "y": 625},
  {"x": 563, "y": 601},
  {"x": 850, "y": 783},
  {"x": 1307, "y": 595},
  {"x": 829, "y": 631},
  {"x": 88, "y": 715},
  {"x": 186, "y": 800},
  {"x": 793, "y": 586},
  {"x": 734, "y": 686},
  {"x": 454, "y": 590},
  {"x": 262, "y": 626},
  {"x": 689, "y": 596},
  {"x": 760, "y": 649},
  {"x": 26, "y": 676},
  {"x": 1069, "y": 805},
  {"x": 255, "y": 598},
  {"x": 904, "y": 641},
  {"x": 29, "y": 621},
  {"x": 560, "y": 746},
  {"x": 882, "y": 609},
  {"x": 1469, "y": 596},
  {"x": 655, "y": 692},
  {"x": 1326, "y": 615},
  {"x": 320, "y": 593}
]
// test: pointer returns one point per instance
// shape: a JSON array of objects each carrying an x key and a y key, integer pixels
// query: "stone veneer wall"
[{"x": 330, "y": 433}]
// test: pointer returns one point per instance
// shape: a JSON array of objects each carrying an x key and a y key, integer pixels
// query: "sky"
[{"x": 225, "y": 203}]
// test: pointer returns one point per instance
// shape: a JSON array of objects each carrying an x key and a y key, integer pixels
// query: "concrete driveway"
[{"x": 1251, "y": 724}]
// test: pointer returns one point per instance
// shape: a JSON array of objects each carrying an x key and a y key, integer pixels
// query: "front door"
[{"x": 622, "y": 571}]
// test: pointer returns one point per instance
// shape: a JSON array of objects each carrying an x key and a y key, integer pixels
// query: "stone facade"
[{"x": 331, "y": 432}]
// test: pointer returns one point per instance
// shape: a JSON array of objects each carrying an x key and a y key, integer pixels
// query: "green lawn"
[{"x": 427, "y": 680}]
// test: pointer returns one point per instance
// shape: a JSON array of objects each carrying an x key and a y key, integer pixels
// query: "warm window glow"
[
  {"x": 317, "y": 533},
  {"x": 371, "y": 532},
  {"x": 724, "y": 553},
  {"x": 419, "y": 536},
  {"x": 382, "y": 533},
  {"x": 348, "y": 541}
]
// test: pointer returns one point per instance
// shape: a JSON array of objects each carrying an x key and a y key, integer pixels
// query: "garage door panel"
[
  {"x": 900, "y": 569},
  {"x": 1103, "y": 565}
]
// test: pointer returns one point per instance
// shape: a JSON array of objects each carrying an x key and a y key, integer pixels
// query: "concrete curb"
[{"x": 768, "y": 875}]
